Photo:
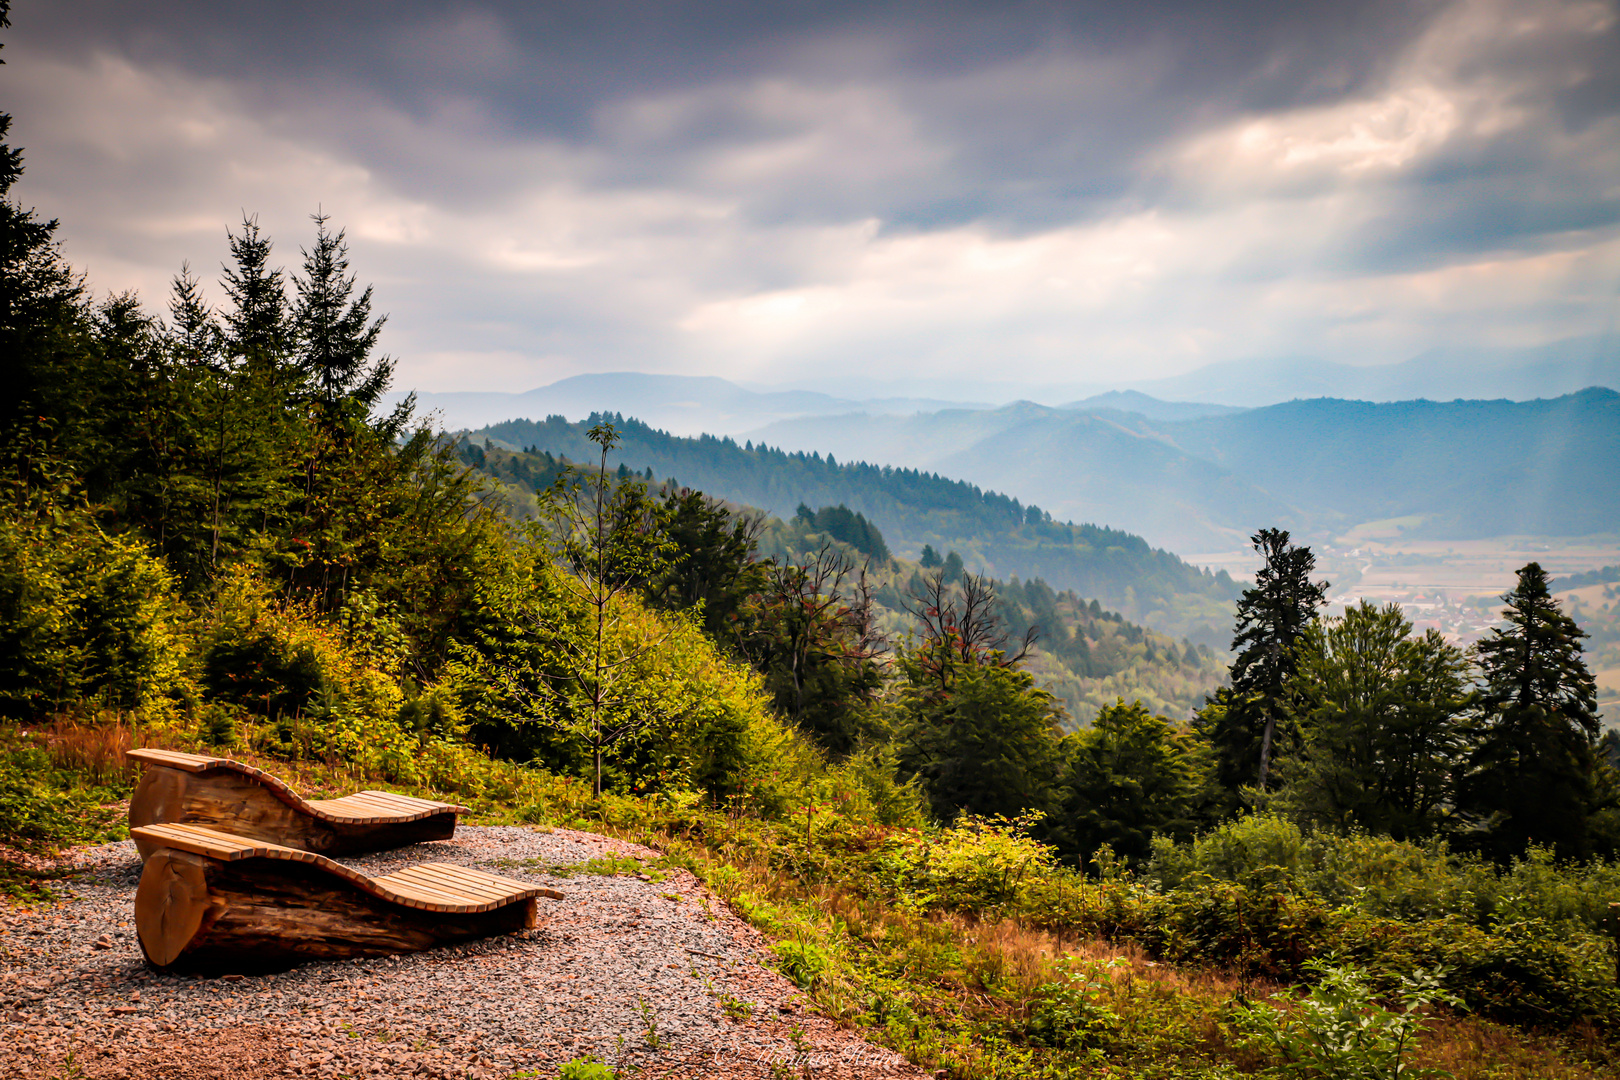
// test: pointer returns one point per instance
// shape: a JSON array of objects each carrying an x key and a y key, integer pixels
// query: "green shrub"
[
  {"x": 585, "y": 1069},
  {"x": 801, "y": 960},
  {"x": 42, "y": 808},
  {"x": 313, "y": 696},
  {"x": 1392, "y": 878},
  {"x": 1070, "y": 1013},
  {"x": 976, "y": 865},
  {"x": 30, "y": 818},
  {"x": 1340, "y": 1032},
  {"x": 86, "y": 619}
]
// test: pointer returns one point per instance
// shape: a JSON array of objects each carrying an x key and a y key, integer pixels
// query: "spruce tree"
[
  {"x": 258, "y": 331},
  {"x": 334, "y": 330},
  {"x": 1243, "y": 722},
  {"x": 1531, "y": 775},
  {"x": 50, "y": 368}
]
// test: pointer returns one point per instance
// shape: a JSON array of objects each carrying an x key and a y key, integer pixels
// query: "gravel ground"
[{"x": 636, "y": 971}]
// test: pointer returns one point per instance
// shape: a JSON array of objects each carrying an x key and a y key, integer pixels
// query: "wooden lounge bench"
[
  {"x": 210, "y": 901},
  {"x": 216, "y": 792}
]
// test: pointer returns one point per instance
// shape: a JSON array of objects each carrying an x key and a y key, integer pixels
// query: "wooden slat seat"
[
  {"x": 216, "y": 901},
  {"x": 231, "y": 796}
]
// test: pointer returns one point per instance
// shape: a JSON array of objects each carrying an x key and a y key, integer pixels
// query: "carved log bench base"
[{"x": 209, "y": 902}]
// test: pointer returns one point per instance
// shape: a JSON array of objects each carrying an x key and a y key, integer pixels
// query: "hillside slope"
[
  {"x": 994, "y": 533},
  {"x": 1098, "y": 466}
]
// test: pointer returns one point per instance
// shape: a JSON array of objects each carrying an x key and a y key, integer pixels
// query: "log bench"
[
  {"x": 216, "y": 792},
  {"x": 212, "y": 902}
]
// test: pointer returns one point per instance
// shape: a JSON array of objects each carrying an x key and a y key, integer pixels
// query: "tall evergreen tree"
[
  {"x": 1532, "y": 773},
  {"x": 1243, "y": 722},
  {"x": 335, "y": 333},
  {"x": 43, "y": 328},
  {"x": 194, "y": 335},
  {"x": 258, "y": 330}
]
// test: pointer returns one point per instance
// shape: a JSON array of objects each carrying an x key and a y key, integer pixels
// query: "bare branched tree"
[{"x": 960, "y": 626}]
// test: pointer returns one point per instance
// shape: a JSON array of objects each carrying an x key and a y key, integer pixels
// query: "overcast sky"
[{"x": 838, "y": 194}]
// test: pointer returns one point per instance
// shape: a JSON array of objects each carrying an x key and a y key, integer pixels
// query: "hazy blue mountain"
[
  {"x": 1106, "y": 467},
  {"x": 1133, "y": 401},
  {"x": 684, "y": 404},
  {"x": 1519, "y": 374},
  {"x": 1468, "y": 468}
]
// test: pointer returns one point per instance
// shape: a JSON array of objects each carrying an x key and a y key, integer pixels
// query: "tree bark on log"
[{"x": 199, "y": 914}]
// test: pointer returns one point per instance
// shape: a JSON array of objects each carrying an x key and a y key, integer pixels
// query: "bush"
[
  {"x": 585, "y": 1069},
  {"x": 1341, "y": 1033},
  {"x": 800, "y": 960},
  {"x": 697, "y": 719},
  {"x": 314, "y": 696},
  {"x": 1070, "y": 1013},
  {"x": 1391, "y": 878},
  {"x": 41, "y": 808},
  {"x": 976, "y": 865},
  {"x": 85, "y": 618}
]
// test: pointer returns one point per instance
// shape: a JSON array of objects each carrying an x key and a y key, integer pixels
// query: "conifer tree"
[
  {"x": 258, "y": 331},
  {"x": 42, "y": 326},
  {"x": 1242, "y": 722},
  {"x": 193, "y": 332},
  {"x": 334, "y": 330},
  {"x": 1532, "y": 772}
]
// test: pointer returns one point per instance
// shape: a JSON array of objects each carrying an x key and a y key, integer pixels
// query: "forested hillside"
[
  {"x": 1087, "y": 656},
  {"x": 995, "y": 534}
]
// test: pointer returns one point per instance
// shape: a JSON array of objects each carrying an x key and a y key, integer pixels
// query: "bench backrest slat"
[{"x": 428, "y": 887}]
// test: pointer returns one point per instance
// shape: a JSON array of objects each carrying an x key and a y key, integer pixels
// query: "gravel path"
[{"x": 655, "y": 978}]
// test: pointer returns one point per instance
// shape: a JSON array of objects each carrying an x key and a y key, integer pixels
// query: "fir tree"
[
  {"x": 1243, "y": 723},
  {"x": 1532, "y": 773},
  {"x": 258, "y": 331},
  {"x": 334, "y": 330}
]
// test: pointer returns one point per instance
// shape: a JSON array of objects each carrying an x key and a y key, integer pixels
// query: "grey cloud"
[{"x": 751, "y": 125}]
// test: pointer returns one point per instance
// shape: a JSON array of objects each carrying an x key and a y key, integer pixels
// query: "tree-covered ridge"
[
  {"x": 1603, "y": 575},
  {"x": 995, "y": 534},
  {"x": 1085, "y": 655}
]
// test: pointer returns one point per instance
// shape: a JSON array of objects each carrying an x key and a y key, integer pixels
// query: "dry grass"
[{"x": 94, "y": 749}]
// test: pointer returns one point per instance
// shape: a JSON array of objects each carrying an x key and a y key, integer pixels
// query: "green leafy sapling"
[{"x": 1341, "y": 1032}]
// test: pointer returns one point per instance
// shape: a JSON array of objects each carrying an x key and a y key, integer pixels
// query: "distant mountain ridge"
[
  {"x": 682, "y": 404},
  {"x": 1462, "y": 469},
  {"x": 1134, "y": 401},
  {"x": 1518, "y": 374},
  {"x": 691, "y": 405}
]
